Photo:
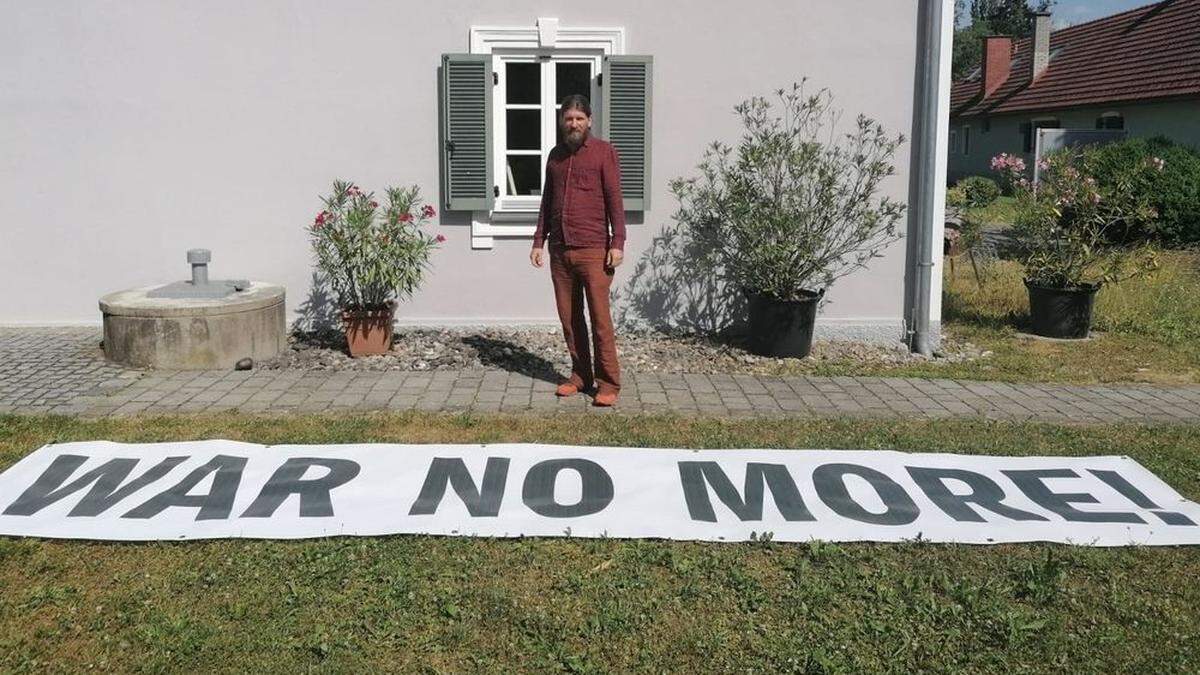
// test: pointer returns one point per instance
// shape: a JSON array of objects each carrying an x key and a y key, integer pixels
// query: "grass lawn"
[
  {"x": 455, "y": 604},
  {"x": 1003, "y": 211},
  {"x": 1148, "y": 330}
]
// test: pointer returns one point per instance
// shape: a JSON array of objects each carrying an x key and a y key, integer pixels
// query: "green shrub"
[
  {"x": 956, "y": 198},
  {"x": 1174, "y": 192},
  {"x": 979, "y": 191}
]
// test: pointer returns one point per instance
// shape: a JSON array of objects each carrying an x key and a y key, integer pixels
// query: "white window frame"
[
  {"x": 518, "y": 205},
  {"x": 545, "y": 40}
]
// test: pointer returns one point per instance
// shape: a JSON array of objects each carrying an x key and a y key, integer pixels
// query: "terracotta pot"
[{"x": 369, "y": 331}]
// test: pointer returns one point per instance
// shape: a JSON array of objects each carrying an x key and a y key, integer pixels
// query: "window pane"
[
  {"x": 524, "y": 175},
  {"x": 524, "y": 129},
  {"x": 524, "y": 82},
  {"x": 573, "y": 78}
]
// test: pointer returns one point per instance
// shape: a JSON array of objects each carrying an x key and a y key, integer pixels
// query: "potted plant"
[
  {"x": 791, "y": 210},
  {"x": 372, "y": 256},
  {"x": 1065, "y": 226}
]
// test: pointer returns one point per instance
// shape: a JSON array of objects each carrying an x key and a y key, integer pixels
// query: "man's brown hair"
[{"x": 576, "y": 102}]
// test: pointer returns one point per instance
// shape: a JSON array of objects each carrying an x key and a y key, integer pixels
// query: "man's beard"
[{"x": 574, "y": 138}]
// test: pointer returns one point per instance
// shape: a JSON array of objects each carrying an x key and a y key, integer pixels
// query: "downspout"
[{"x": 930, "y": 174}]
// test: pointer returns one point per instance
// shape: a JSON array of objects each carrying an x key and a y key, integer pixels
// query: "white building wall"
[
  {"x": 134, "y": 130},
  {"x": 1177, "y": 120}
]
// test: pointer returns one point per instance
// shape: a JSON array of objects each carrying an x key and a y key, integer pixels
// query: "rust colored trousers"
[{"x": 579, "y": 274}]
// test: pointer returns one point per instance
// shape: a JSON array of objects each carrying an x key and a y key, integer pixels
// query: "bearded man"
[{"x": 580, "y": 201}]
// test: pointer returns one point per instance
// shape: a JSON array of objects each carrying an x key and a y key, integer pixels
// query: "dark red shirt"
[{"x": 582, "y": 196}]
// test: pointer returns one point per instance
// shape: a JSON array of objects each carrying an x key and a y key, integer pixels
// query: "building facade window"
[
  {"x": 1029, "y": 130},
  {"x": 533, "y": 68},
  {"x": 966, "y": 140},
  {"x": 1111, "y": 120},
  {"x": 529, "y": 89}
]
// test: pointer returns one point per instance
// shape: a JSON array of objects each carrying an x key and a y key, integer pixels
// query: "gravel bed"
[{"x": 541, "y": 351}]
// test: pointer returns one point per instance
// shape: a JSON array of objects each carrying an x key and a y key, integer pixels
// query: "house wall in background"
[{"x": 1177, "y": 120}]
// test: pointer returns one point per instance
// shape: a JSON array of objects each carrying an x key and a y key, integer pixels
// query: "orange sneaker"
[
  {"x": 567, "y": 389},
  {"x": 605, "y": 400}
]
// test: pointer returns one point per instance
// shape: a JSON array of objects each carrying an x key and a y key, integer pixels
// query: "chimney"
[
  {"x": 997, "y": 62},
  {"x": 1041, "y": 43}
]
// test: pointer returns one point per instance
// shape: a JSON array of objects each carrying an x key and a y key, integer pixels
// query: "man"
[{"x": 581, "y": 197}]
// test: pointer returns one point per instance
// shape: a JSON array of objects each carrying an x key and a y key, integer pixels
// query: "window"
[
  {"x": 953, "y": 141},
  {"x": 529, "y": 89},
  {"x": 498, "y": 114},
  {"x": 966, "y": 140},
  {"x": 1110, "y": 120},
  {"x": 1029, "y": 130}
]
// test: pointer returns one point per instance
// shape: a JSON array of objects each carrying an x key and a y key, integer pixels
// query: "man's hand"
[
  {"x": 535, "y": 257},
  {"x": 615, "y": 256}
]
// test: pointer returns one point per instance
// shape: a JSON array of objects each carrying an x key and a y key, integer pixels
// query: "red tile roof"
[{"x": 1148, "y": 53}]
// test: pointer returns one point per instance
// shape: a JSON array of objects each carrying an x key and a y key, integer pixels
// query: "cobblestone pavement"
[{"x": 61, "y": 371}]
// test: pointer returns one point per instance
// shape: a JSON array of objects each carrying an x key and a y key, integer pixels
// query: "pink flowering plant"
[
  {"x": 1011, "y": 169},
  {"x": 1065, "y": 224},
  {"x": 372, "y": 254}
]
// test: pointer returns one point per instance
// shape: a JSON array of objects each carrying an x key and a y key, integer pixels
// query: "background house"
[
  {"x": 1137, "y": 70},
  {"x": 133, "y": 131}
]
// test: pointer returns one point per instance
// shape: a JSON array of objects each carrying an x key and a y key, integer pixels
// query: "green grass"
[
  {"x": 1003, "y": 211},
  {"x": 428, "y": 604},
  {"x": 1147, "y": 330}
]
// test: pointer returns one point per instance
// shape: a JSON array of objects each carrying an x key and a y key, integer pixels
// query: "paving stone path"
[{"x": 61, "y": 371}]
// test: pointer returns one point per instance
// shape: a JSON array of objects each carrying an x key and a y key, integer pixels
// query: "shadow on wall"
[
  {"x": 319, "y": 313},
  {"x": 677, "y": 286}
]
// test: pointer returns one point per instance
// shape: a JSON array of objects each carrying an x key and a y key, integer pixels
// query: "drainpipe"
[{"x": 929, "y": 179}]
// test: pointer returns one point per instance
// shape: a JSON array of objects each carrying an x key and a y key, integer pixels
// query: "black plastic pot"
[
  {"x": 1064, "y": 313},
  {"x": 782, "y": 328}
]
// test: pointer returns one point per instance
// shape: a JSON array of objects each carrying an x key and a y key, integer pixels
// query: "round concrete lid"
[{"x": 134, "y": 302}]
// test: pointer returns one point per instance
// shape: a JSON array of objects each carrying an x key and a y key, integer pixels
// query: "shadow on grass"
[
  {"x": 512, "y": 357},
  {"x": 957, "y": 308}
]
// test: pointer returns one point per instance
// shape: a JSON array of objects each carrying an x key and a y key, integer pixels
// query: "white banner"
[{"x": 207, "y": 489}]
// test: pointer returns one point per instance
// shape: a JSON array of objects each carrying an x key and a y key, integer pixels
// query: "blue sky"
[{"x": 1068, "y": 12}]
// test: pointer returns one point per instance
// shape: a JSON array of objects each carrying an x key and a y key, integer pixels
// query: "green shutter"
[
  {"x": 625, "y": 122},
  {"x": 465, "y": 83}
]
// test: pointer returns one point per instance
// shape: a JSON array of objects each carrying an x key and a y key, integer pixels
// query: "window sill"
[{"x": 510, "y": 223}]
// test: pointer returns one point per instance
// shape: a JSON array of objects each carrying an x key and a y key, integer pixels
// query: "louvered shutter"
[
  {"x": 465, "y": 81},
  {"x": 625, "y": 122}
]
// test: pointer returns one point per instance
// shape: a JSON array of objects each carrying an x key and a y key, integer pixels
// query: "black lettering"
[
  {"x": 984, "y": 493},
  {"x": 1117, "y": 482},
  {"x": 106, "y": 481},
  {"x": 215, "y": 505},
  {"x": 452, "y": 471},
  {"x": 696, "y": 476},
  {"x": 314, "y": 493},
  {"x": 830, "y": 481},
  {"x": 1031, "y": 482},
  {"x": 538, "y": 490}
]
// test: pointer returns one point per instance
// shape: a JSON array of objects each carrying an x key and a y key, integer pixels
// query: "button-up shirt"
[{"x": 581, "y": 197}]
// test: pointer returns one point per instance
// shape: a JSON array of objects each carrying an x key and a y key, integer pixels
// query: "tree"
[
  {"x": 1008, "y": 17},
  {"x": 989, "y": 17}
]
